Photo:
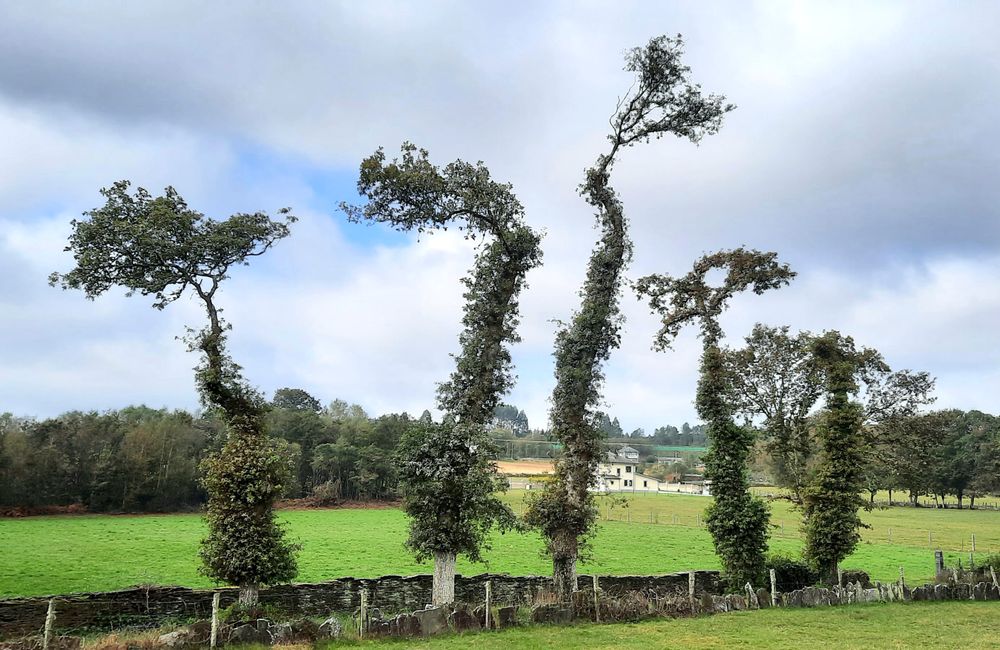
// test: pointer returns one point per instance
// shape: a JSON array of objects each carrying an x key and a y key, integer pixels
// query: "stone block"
[
  {"x": 506, "y": 617},
  {"x": 433, "y": 620},
  {"x": 551, "y": 614},
  {"x": 462, "y": 620}
]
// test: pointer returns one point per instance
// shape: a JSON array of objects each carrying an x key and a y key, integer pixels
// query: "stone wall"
[{"x": 154, "y": 606}]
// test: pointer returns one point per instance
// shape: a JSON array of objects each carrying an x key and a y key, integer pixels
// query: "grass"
[
  {"x": 897, "y": 625},
  {"x": 63, "y": 554}
]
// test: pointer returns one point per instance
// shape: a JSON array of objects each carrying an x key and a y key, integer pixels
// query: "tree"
[
  {"x": 412, "y": 194},
  {"x": 832, "y": 500},
  {"x": 776, "y": 381},
  {"x": 160, "y": 247},
  {"x": 737, "y": 520},
  {"x": 295, "y": 399},
  {"x": 661, "y": 100}
]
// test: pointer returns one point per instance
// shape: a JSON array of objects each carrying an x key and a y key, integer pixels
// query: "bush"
[
  {"x": 327, "y": 494},
  {"x": 791, "y": 573}
]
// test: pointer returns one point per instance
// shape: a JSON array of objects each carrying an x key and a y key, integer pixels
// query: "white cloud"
[{"x": 860, "y": 150}]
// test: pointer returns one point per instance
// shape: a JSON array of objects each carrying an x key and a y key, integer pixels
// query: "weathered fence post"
[
  {"x": 489, "y": 603},
  {"x": 597, "y": 601},
  {"x": 902, "y": 580},
  {"x": 930, "y": 538},
  {"x": 214, "y": 639},
  {"x": 691, "y": 588},
  {"x": 363, "y": 617},
  {"x": 50, "y": 620},
  {"x": 973, "y": 542},
  {"x": 774, "y": 589},
  {"x": 993, "y": 574},
  {"x": 938, "y": 563},
  {"x": 840, "y": 577},
  {"x": 890, "y": 535}
]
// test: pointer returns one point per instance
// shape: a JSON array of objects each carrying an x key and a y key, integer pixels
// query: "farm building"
[{"x": 619, "y": 472}]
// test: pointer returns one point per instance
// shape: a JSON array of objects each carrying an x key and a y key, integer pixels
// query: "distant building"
[{"x": 619, "y": 472}]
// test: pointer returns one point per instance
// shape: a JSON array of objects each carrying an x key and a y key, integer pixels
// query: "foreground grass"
[
  {"x": 897, "y": 625},
  {"x": 55, "y": 555}
]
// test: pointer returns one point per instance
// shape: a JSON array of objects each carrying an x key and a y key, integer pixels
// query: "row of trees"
[
  {"x": 145, "y": 460},
  {"x": 161, "y": 248}
]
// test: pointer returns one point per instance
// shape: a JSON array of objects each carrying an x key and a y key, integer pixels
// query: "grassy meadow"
[
  {"x": 868, "y": 627},
  {"x": 63, "y": 554}
]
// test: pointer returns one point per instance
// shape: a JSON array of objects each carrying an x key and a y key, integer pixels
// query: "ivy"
[
  {"x": 736, "y": 519},
  {"x": 661, "y": 100},
  {"x": 448, "y": 478},
  {"x": 159, "y": 247}
]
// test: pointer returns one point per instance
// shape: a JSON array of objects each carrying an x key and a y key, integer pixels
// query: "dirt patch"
[
  {"x": 310, "y": 504},
  {"x": 525, "y": 467}
]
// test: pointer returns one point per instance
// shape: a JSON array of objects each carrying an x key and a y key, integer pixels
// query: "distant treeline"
[{"x": 140, "y": 459}]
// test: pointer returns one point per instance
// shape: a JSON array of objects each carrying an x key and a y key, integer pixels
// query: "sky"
[{"x": 864, "y": 149}]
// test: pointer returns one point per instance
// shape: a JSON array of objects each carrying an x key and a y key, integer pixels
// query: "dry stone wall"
[{"x": 154, "y": 606}]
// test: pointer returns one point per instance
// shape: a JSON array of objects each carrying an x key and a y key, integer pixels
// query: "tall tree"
[
  {"x": 661, "y": 100},
  {"x": 160, "y": 247},
  {"x": 448, "y": 516},
  {"x": 737, "y": 520}
]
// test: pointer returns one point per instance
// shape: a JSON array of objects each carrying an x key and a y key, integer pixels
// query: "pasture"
[
  {"x": 62, "y": 554},
  {"x": 897, "y": 625}
]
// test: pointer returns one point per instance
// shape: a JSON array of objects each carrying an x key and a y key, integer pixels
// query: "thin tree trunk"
[
  {"x": 249, "y": 596},
  {"x": 564, "y": 579},
  {"x": 443, "y": 589}
]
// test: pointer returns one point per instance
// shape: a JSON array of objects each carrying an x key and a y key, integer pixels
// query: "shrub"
[
  {"x": 791, "y": 573},
  {"x": 327, "y": 494}
]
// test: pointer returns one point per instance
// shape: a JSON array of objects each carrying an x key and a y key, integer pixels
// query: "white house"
[{"x": 619, "y": 472}]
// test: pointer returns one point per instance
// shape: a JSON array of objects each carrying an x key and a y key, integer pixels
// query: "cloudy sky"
[{"x": 865, "y": 150}]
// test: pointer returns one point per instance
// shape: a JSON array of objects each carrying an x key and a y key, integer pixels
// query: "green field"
[
  {"x": 55, "y": 555},
  {"x": 871, "y": 627}
]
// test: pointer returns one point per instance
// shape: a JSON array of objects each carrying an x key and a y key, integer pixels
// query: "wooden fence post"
[
  {"x": 597, "y": 601},
  {"x": 993, "y": 574},
  {"x": 938, "y": 563},
  {"x": 489, "y": 604},
  {"x": 362, "y": 622},
  {"x": 890, "y": 535},
  {"x": 50, "y": 620},
  {"x": 774, "y": 589},
  {"x": 902, "y": 580},
  {"x": 691, "y": 588},
  {"x": 214, "y": 639},
  {"x": 973, "y": 542},
  {"x": 930, "y": 538}
]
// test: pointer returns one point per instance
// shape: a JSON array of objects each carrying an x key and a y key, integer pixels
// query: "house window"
[
  {"x": 628, "y": 468},
  {"x": 644, "y": 484},
  {"x": 618, "y": 470}
]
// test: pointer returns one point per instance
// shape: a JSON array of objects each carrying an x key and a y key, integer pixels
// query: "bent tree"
[
  {"x": 449, "y": 481},
  {"x": 160, "y": 247},
  {"x": 737, "y": 520},
  {"x": 661, "y": 100}
]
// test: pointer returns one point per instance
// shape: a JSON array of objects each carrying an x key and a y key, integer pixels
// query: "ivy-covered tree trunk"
[
  {"x": 832, "y": 501},
  {"x": 160, "y": 247},
  {"x": 246, "y": 545},
  {"x": 736, "y": 519},
  {"x": 447, "y": 474},
  {"x": 662, "y": 100}
]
